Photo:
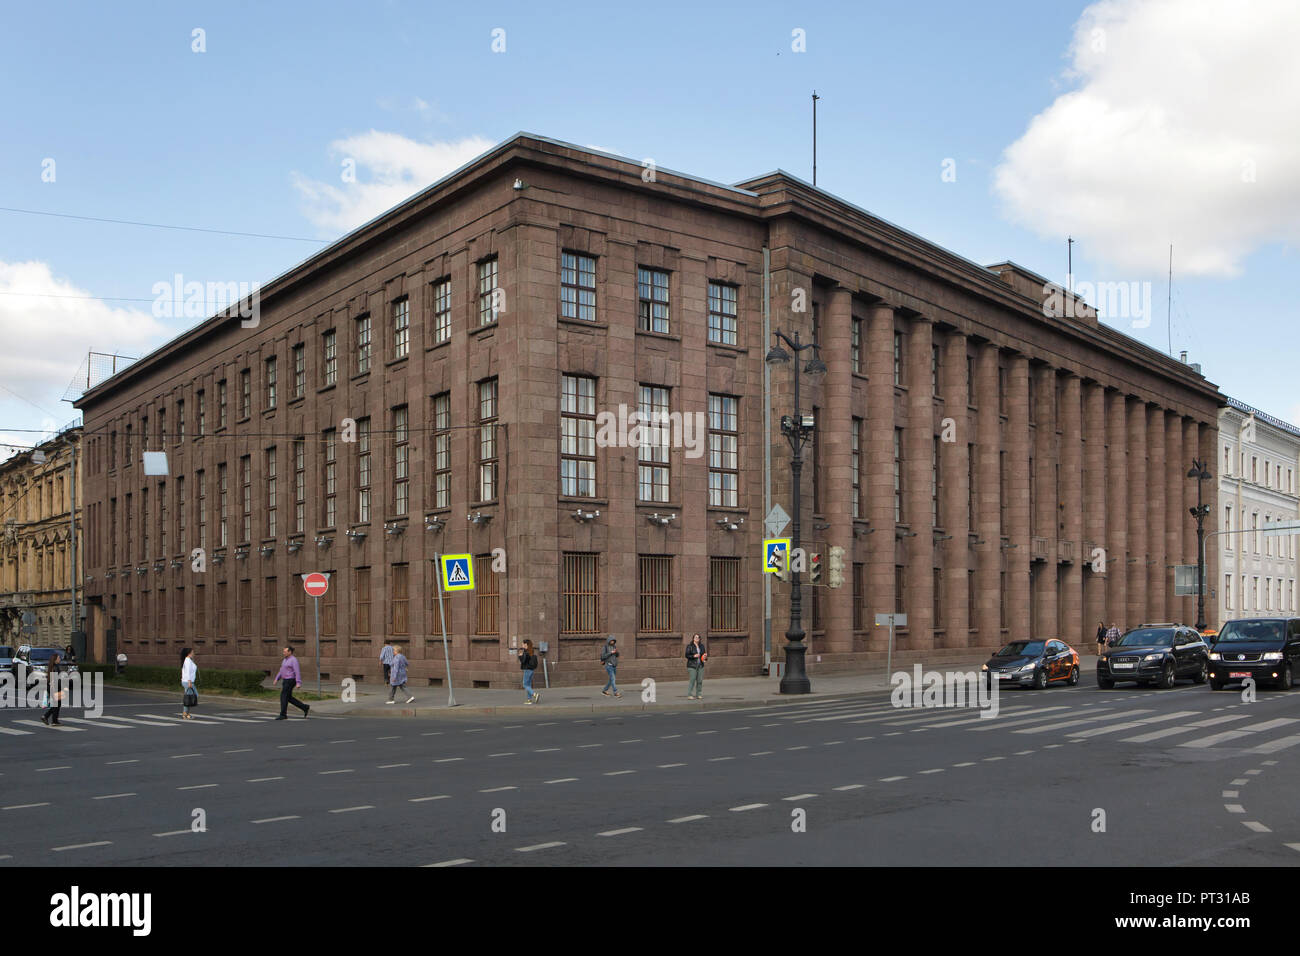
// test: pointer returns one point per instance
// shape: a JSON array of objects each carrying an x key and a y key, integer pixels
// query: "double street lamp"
[
  {"x": 798, "y": 430},
  {"x": 1200, "y": 473}
]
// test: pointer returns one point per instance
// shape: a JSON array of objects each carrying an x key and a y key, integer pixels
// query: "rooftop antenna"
[
  {"x": 815, "y": 98},
  {"x": 1069, "y": 264},
  {"x": 1169, "y": 298}
]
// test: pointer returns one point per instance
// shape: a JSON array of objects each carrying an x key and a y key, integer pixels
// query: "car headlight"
[
  {"x": 1027, "y": 667},
  {"x": 1153, "y": 657},
  {"x": 1215, "y": 656},
  {"x": 1272, "y": 655}
]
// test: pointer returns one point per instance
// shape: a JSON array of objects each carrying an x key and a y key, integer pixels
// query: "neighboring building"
[
  {"x": 1259, "y": 470},
  {"x": 36, "y": 493},
  {"x": 972, "y": 455}
]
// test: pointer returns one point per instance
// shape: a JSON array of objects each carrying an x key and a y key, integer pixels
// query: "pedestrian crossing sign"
[
  {"x": 776, "y": 555},
  {"x": 457, "y": 572}
]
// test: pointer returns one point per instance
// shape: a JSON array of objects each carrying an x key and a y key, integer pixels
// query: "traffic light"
[
  {"x": 835, "y": 578},
  {"x": 815, "y": 568},
  {"x": 784, "y": 573}
]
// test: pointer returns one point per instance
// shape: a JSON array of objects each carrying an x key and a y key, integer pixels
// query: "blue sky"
[{"x": 250, "y": 136}]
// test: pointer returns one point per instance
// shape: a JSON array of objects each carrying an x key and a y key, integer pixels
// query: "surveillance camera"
[{"x": 519, "y": 185}]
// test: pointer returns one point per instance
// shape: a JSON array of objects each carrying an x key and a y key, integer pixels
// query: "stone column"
[
  {"x": 1117, "y": 518},
  {"x": 918, "y": 473},
  {"x": 1095, "y": 494},
  {"x": 1075, "y": 629},
  {"x": 1043, "y": 523},
  {"x": 836, "y": 431},
  {"x": 1016, "y": 443},
  {"x": 954, "y": 490},
  {"x": 1174, "y": 515},
  {"x": 987, "y": 554},
  {"x": 1208, "y": 442},
  {"x": 1136, "y": 611},
  {"x": 1191, "y": 445},
  {"x": 879, "y": 477},
  {"x": 1157, "y": 573}
]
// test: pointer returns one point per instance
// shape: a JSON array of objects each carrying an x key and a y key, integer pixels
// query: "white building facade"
[{"x": 1258, "y": 469}]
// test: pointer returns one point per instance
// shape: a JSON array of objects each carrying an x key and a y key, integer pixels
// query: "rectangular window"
[
  {"x": 202, "y": 477},
  {"x": 162, "y": 433},
  {"x": 200, "y": 611},
  {"x": 970, "y": 600},
  {"x": 487, "y": 292},
  {"x": 362, "y": 335},
  {"x": 162, "y": 518},
  {"x": 726, "y": 607},
  {"x": 442, "y": 450},
  {"x": 934, "y": 484},
  {"x": 577, "y": 436},
  {"x": 577, "y": 287},
  {"x": 722, "y": 313},
  {"x": 245, "y": 393},
  {"x": 970, "y": 381},
  {"x": 935, "y": 369},
  {"x": 271, "y": 497},
  {"x": 855, "y": 346},
  {"x": 112, "y": 449},
  {"x": 298, "y": 609},
  {"x": 363, "y": 601},
  {"x": 299, "y": 371},
  {"x": 180, "y": 420},
  {"x": 724, "y": 459},
  {"x": 442, "y": 310},
  {"x": 656, "y": 594},
  {"x": 855, "y": 467},
  {"x": 330, "y": 452},
  {"x": 859, "y": 596},
  {"x": 487, "y": 597},
  {"x": 400, "y": 599},
  {"x": 898, "y": 358},
  {"x": 299, "y": 485},
  {"x": 363, "y": 469},
  {"x": 401, "y": 460},
  {"x": 330, "y": 355},
  {"x": 271, "y": 383},
  {"x": 579, "y": 597},
  {"x": 1227, "y": 591},
  {"x": 201, "y": 426},
  {"x": 487, "y": 440},
  {"x": 222, "y": 404},
  {"x": 246, "y": 498},
  {"x": 144, "y": 524},
  {"x": 817, "y": 472},
  {"x": 127, "y": 440},
  {"x": 652, "y": 451},
  {"x": 938, "y": 600},
  {"x": 652, "y": 300},
  {"x": 972, "y": 502},
  {"x": 245, "y": 607},
  {"x": 270, "y": 608},
  {"x": 401, "y": 328},
  {"x": 898, "y": 475},
  {"x": 180, "y": 513}
]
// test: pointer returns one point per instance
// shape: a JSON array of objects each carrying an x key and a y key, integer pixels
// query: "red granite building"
[{"x": 444, "y": 379}]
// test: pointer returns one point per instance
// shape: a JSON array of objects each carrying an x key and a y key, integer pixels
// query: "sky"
[{"x": 995, "y": 130}]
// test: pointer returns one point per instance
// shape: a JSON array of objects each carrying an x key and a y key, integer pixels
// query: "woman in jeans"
[
  {"x": 696, "y": 655},
  {"x": 528, "y": 664},
  {"x": 189, "y": 674}
]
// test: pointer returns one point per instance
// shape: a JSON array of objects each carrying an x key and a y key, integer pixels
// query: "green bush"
[{"x": 240, "y": 681}]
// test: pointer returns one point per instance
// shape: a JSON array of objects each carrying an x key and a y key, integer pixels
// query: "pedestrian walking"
[
  {"x": 386, "y": 658},
  {"x": 189, "y": 674},
  {"x": 1112, "y": 635},
  {"x": 609, "y": 658},
  {"x": 290, "y": 677},
  {"x": 528, "y": 664},
  {"x": 696, "y": 655},
  {"x": 53, "y": 691},
  {"x": 397, "y": 677},
  {"x": 1101, "y": 637}
]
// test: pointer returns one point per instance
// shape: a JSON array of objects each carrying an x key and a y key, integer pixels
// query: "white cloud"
[
  {"x": 1178, "y": 104},
  {"x": 388, "y": 168},
  {"x": 48, "y": 324}
]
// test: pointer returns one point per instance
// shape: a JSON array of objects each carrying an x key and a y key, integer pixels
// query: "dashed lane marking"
[
  {"x": 747, "y": 806},
  {"x": 278, "y": 819},
  {"x": 461, "y": 862},
  {"x": 538, "y": 846},
  {"x": 82, "y": 846},
  {"x": 699, "y": 816},
  {"x": 619, "y": 832}
]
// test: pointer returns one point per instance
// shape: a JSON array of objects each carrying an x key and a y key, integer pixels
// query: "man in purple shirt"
[{"x": 290, "y": 677}]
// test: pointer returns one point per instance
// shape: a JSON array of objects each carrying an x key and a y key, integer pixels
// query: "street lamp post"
[
  {"x": 798, "y": 430},
  {"x": 1200, "y": 473}
]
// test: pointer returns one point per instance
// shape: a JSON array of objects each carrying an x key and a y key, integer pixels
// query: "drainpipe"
[{"x": 767, "y": 451}]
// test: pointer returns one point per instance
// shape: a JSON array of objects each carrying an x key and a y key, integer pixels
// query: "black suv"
[
  {"x": 1155, "y": 654},
  {"x": 1266, "y": 649}
]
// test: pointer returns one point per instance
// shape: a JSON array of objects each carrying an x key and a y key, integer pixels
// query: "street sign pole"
[
  {"x": 442, "y": 613},
  {"x": 316, "y": 601}
]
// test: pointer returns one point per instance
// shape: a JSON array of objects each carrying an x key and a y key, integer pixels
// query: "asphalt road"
[{"x": 1184, "y": 776}]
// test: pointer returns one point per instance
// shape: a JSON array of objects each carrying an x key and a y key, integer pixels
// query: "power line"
[
  {"x": 159, "y": 225},
  {"x": 99, "y": 298}
]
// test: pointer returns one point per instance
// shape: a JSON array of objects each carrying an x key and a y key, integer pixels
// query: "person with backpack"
[
  {"x": 397, "y": 677},
  {"x": 386, "y": 658},
  {"x": 609, "y": 659},
  {"x": 696, "y": 655},
  {"x": 189, "y": 674},
  {"x": 528, "y": 664}
]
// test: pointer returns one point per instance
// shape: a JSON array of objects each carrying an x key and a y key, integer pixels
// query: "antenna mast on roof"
[
  {"x": 1169, "y": 298},
  {"x": 1069, "y": 264},
  {"x": 815, "y": 98}
]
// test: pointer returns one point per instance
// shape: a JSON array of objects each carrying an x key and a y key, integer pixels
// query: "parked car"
[
  {"x": 37, "y": 659},
  {"x": 1033, "y": 663},
  {"x": 8, "y": 658},
  {"x": 1155, "y": 654},
  {"x": 1265, "y": 649}
]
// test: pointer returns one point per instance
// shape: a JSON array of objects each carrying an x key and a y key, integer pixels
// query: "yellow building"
[{"x": 36, "y": 552}]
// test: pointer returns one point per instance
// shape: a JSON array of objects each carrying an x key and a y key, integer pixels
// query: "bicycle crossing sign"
[{"x": 457, "y": 572}]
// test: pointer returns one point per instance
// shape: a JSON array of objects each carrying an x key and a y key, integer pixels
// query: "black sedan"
[
  {"x": 8, "y": 658},
  {"x": 1263, "y": 649},
  {"x": 1033, "y": 663},
  {"x": 1154, "y": 654}
]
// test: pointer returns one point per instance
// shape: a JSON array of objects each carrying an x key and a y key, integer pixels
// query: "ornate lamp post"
[
  {"x": 798, "y": 430},
  {"x": 1200, "y": 473}
]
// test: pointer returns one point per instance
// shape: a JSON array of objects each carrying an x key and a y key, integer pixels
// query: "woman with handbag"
[
  {"x": 189, "y": 674},
  {"x": 53, "y": 692},
  {"x": 696, "y": 655},
  {"x": 528, "y": 666}
]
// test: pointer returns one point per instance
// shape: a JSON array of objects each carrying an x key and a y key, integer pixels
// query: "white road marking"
[
  {"x": 173, "y": 833},
  {"x": 14, "y": 733},
  {"x": 1234, "y": 734},
  {"x": 620, "y": 832},
  {"x": 183, "y": 756},
  {"x": 1129, "y": 725},
  {"x": 760, "y": 753},
  {"x": 262, "y": 779},
  {"x": 24, "y": 806},
  {"x": 665, "y": 766},
  {"x": 618, "y": 773},
  {"x": 693, "y": 817},
  {"x": 390, "y": 766},
  {"x": 37, "y": 723},
  {"x": 747, "y": 806},
  {"x": 326, "y": 773},
  {"x": 720, "y": 759},
  {"x": 1234, "y": 808},
  {"x": 459, "y": 862},
  {"x": 850, "y": 786},
  {"x": 800, "y": 747},
  {"x": 968, "y": 763},
  {"x": 353, "y": 740},
  {"x": 586, "y": 746},
  {"x": 508, "y": 753},
  {"x": 1172, "y": 731},
  {"x": 538, "y": 846},
  {"x": 1232, "y": 793},
  {"x": 48, "y": 769},
  {"x": 1256, "y": 826},
  {"x": 114, "y": 796},
  {"x": 245, "y": 750},
  {"x": 448, "y": 759},
  {"x": 892, "y": 779},
  {"x": 350, "y": 809},
  {"x": 935, "y": 770},
  {"x": 441, "y": 796},
  {"x": 289, "y": 746},
  {"x": 82, "y": 846},
  {"x": 277, "y": 819},
  {"x": 199, "y": 786},
  {"x": 97, "y": 723},
  {"x": 990, "y": 759},
  {"x": 563, "y": 780},
  {"x": 800, "y": 796},
  {"x": 113, "y": 763},
  {"x": 497, "y": 789},
  {"x": 546, "y": 750},
  {"x": 1240, "y": 782}
]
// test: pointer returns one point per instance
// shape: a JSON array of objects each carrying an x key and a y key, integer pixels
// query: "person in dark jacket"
[
  {"x": 609, "y": 658},
  {"x": 1101, "y": 637},
  {"x": 54, "y": 687},
  {"x": 696, "y": 655},
  {"x": 528, "y": 664}
]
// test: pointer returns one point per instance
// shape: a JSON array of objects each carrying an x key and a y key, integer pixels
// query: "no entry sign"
[{"x": 316, "y": 584}]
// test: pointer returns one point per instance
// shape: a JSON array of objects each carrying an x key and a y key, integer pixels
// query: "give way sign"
[{"x": 316, "y": 583}]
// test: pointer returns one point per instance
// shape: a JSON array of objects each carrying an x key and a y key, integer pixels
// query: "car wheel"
[
  {"x": 1104, "y": 683},
  {"x": 1040, "y": 679},
  {"x": 1074, "y": 676},
  {"x": 1284, "y": 682},
  {"x": 1217, "y": 684},
  {"x": 1168, "y": 677},
  {"x": 1202, "y": 673}
]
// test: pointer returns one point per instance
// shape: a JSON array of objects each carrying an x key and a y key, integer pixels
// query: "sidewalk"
[{"x": 719, "y": 694}]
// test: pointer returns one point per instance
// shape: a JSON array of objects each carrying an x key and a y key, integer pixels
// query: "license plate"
[
  {"x": 1004, "y": 676},
  {"x": 1122, "y": 667},
  {"x": 1239, "y": 674}
]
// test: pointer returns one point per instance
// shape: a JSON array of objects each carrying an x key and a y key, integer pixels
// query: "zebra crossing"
[
  {"x": 1200, "y": 720},
  {"x": 69, "y": 724}
]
